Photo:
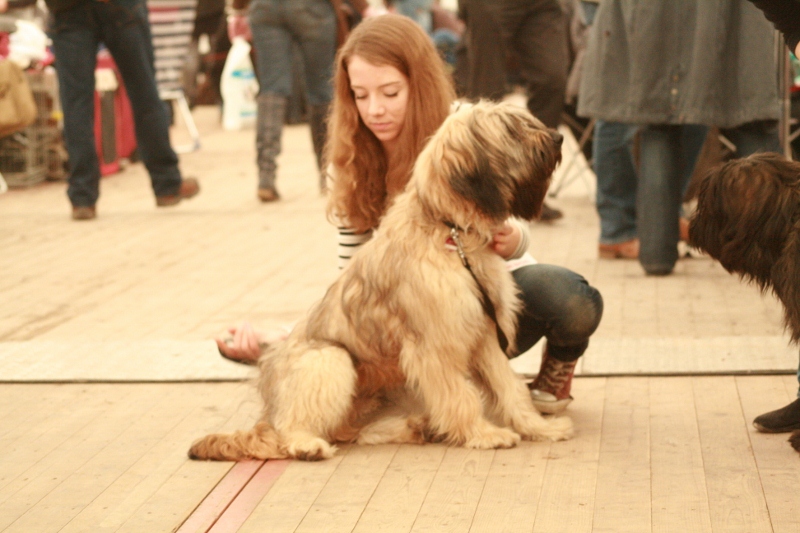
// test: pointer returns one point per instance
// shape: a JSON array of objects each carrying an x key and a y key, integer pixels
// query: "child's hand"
[{"x": 506, "y": 240}]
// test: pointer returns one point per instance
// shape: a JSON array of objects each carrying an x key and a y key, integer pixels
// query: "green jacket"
[{"x": 709, "y": 62}]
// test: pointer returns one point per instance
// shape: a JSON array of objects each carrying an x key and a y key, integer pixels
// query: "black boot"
[
  {"x": 269, "y": 125},
  {"x": 781, "y": 420}
]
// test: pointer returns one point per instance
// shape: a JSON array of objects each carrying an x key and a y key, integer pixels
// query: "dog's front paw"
[
  {"x": 491, "y": 437},
  {"x": 315, "y": 449},
  {"x": 558, "y": 428},
  {"x": 534, "y": 427}
]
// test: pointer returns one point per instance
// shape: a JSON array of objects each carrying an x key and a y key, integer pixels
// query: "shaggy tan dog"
[{"x": 403, "y": 347}]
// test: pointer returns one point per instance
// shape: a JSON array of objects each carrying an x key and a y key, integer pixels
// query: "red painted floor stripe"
[
  {"x": 218, "y": 500},
  {"x": 250, "y": 496}
]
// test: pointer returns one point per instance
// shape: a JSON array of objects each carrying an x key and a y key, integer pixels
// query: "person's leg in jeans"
[
  {"x": 126, "y": 33},
  {"x": 314, "y": 25},
  {"x": 667, "y": 160},
  {"x": 273, "y": 45},
  {"x": 75, "y": 41},
  {"x": 562, "y": 307},
  {"x": 616, "y": 187}
]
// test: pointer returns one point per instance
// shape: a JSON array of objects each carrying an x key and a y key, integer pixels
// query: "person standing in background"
[
  {"x": 77, "y": 27},
  {"x": 715, "y": 67}
]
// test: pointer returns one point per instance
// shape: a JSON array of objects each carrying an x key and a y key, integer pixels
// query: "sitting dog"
[
  {"x": 748, "y": 218},
  {"x": 414, "y": 322}
]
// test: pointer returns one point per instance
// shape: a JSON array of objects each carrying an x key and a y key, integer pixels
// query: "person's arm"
[
  {"x": 785, "y": 16},
  {"x": 349, "y": 243}
]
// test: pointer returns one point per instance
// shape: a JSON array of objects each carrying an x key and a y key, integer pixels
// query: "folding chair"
[{"x": 171, "y": 23}]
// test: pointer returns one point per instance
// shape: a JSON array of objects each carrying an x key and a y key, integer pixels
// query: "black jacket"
[{"x": 785, "y": 15}]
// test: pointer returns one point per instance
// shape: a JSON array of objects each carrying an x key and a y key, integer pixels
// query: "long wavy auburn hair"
[{"x": 363, "y": 181}]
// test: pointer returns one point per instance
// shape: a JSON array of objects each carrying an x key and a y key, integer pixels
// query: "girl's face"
[{"x": 381, "y": 94}]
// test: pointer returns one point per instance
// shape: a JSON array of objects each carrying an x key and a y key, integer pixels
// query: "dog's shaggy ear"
[
  {"x": 478, "y": 181},
  {"x": 513, "y": 156}
]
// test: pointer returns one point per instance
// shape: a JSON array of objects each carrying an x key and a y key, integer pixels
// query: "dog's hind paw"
[{"x": 490, "y": 438}]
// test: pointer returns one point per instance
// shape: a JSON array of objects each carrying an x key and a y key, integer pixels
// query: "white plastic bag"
[{"x": 239, "y": 87}]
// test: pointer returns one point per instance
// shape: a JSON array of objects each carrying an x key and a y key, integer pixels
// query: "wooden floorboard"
[{"x": 679, "y": 492}]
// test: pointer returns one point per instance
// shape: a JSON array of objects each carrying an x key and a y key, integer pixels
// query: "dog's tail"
[{"x": 261, "y": 442}]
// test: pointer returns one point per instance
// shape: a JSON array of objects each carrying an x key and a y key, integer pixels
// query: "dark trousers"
[{"x": 525, "y": 37}]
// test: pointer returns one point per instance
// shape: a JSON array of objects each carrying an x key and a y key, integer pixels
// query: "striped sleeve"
[
  {"x": 349, "y": 243},
  {"x": 524, "y": 240}
]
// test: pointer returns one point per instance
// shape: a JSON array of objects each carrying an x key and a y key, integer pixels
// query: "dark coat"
[{"x": 711, "y": 62}]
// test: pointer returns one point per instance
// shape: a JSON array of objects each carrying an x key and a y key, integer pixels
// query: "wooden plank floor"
[{"x": 651, "y": 453}]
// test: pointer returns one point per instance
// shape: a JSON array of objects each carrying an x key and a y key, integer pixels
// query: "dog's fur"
[
  {"x": 403, "y": 325},
  {"x": 748, "y": 218}
]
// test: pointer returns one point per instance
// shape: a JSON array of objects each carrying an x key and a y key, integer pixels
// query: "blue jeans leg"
[
  {"x": 75, "y": 48},
  {"x": 668, "y": 155},
  {"x": 275, "y": 24},
  {"x": 126, "y": 33},
  {"x": 616, "y": 180},
  {"x": 561, "y": 306}
]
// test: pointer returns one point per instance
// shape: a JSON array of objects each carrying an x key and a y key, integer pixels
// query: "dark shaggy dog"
[{"x": 748, "y": 218}]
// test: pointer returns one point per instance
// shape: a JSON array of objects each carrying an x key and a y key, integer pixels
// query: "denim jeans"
[
  {"x": 122, "y": 25},
  {"x": 561, "y": 306},
  {"x": 668, "y": 157},
  {"x": 616, "y": 180},
  {"x": 275, "y": 24}
]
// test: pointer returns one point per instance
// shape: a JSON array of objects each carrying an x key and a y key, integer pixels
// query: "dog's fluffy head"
[
  {"x": 748, "y": 218},
  {"x": 486, "y": 163}
]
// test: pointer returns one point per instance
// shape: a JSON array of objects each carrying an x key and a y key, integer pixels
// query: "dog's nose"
[{"x": 557, "y": 137}]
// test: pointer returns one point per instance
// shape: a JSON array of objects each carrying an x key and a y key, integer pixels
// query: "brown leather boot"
[{"x": 189, "y": 188}]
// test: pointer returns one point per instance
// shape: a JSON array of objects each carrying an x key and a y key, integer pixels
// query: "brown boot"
[
  {"x": 189, "y": 188},
  {"x": 550, "y": 389}
]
